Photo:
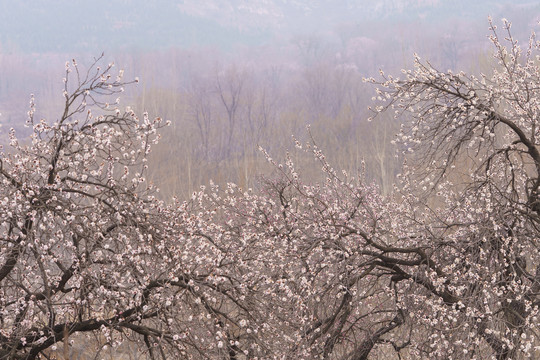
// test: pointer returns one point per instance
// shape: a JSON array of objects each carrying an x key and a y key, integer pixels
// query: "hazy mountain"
[{"x": 65, "y": 26}]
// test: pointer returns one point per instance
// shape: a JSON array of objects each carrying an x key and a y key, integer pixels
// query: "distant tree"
[{"x": 229, "y": 87}]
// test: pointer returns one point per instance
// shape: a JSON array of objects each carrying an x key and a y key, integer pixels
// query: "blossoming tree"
[
  {"x": 447, "y": 267},
  {"x": 76, "y": 219},
  {"x": 483, "y": 248}
]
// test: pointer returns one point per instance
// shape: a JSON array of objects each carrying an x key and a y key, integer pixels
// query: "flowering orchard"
[{"x": 444, "y": 268}]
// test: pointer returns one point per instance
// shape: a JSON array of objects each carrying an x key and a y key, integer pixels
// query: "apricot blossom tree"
[
  {"x": 85, "y": 245},
  {"x": 446, "y": 267},
  {"x": 480, "y": 273},
  {"x": 76, "y": 219}
]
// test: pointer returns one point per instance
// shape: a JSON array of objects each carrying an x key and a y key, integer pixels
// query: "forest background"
[{"x": 235, "y": 75}]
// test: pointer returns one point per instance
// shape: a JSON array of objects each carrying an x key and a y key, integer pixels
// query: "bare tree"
[
  {"x": 229, "y": 85},
  {"x": 201, "y": 110}
]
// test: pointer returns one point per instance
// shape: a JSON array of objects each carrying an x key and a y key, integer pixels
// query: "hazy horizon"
[{"x": 45, "y": 27}]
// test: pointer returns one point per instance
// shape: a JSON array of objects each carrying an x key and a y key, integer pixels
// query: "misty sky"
[{"x": 58, "y": 26}]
